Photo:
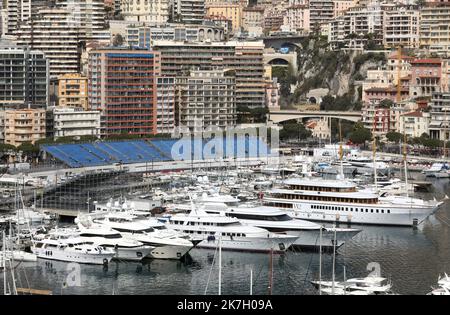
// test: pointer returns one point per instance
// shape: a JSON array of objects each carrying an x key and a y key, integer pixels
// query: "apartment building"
[
  {"x": 23, "y": 76},
  {"x": 24, "y": 125},
  {"x": 205, "y": 99},
  {"x": 51, "y": 33},
  {"x": 439, "y": 116},
  {"x": 165, "y": 104},
  {"x": 425, "y": 76},
  {"x": 144, "y": 36},
  {"x": 341, "y": 6},
  {"x": 245, "y": 58},
  {"x": 321, "y": 12},
  {"x": 231, "y": 11},
  {"x": 155, "y": 11},
  {"x": 122, "y": 85},
  {"x": 298, "y": 16},
  {"x": 435, "y": 28},
  {"x": 414, "y": 124},
  {"x": 73, "y": 91},
  {"x": 253, "y": 20},
  {"x": 75, "y": 122},
  {"x": 401, "y": 27},
  {"x": 188, "y": 11},
  {"x": 19, "y": 12}
]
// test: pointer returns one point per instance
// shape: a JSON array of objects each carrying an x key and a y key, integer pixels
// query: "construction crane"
[{"x": 399, "y": 74}]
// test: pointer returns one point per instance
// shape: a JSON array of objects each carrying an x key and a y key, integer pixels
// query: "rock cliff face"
[{"x": 336, "y": 70}]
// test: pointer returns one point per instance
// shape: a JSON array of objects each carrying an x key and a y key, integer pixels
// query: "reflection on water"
[{"x": 412, "y": 258}]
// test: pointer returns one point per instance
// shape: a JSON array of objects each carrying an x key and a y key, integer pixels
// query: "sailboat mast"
[
  {"x": 5, "y": 292},
  {"x": 220, "y": 264},
  {"x": 341, "y": 150},
  {"x": 320, "y": 260},
  {"x": 405, "y": 162},
  {"x": 271, "y": 272},
  {"x": 334, "y": 260}
]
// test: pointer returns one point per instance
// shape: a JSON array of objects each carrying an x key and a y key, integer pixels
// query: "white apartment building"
[
  {"x": 165, "y": 105},
  {"x": 206, "y": 98},
  {"x": 72, "y": 122},
  {"x": 401, "y": 27},
  {"x": 435, "y": 28},
  {"x": 440, "y": 116},
  {"x": 297, "y": 16},
  {"x": 414, "y": 124},
  {"x": 188, "y": 11},
  {"x": 149, "y": 11}
]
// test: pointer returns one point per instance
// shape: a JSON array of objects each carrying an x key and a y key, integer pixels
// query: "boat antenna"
[
  {"x": 374, "y": 150},
  {"x": 405, "y": 162},
  {"x": 341, "y": 151},
  {"x": 220, "y": 264},
  {"x": 334, "y": 259}
]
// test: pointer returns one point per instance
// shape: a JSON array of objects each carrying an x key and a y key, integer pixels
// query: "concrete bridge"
[
  {"x": 278, "y": 116},
  {"x": 284, "y": 41}
]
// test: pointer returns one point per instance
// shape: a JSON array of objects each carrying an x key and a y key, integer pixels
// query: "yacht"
[
  {"x": 278, "y": 221},
  {"x": 210, "y": 228},
  {"x": 125, "y": 249},
  {"x": 72, "y": 250},
  {"x": 340, "y": 201},
  {"x": 438, "y": 170},
  {"x": 444, "y": 286},
  {"x": 167, "y": 245},
  {"x": 360, "y": 286}
]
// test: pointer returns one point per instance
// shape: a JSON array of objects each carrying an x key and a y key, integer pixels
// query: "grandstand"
[{"x": 142, "y": 151}]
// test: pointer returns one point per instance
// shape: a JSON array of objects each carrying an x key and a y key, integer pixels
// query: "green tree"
[
  {"x": 28, "y": 148},
  {"x": 294, "y": 131},
  {"x": 386, "y": 103},
  {"x": 360, "y": 134},
  {"x": 393, "y": 136},
  {"x": 118, "y": 40}
]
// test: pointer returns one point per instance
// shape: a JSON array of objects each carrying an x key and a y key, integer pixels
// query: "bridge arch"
[{"x": 281, "y": 116}]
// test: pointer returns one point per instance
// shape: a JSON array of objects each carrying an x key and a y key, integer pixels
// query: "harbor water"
[{"x": 412, "y": 258}]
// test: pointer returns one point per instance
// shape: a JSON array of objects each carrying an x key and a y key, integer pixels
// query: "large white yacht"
[
  {"x": 341, "y": 201},
  {"x": 167, "y": 245},
  {"x": 125, "y": 249},
  {"x": 234, "y": 235},
  {"x": 72, "y": 250},
  {"x": 278, "y": 221}
]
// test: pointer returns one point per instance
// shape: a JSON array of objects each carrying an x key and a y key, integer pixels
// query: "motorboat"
[{"x": 233, "y": 235}]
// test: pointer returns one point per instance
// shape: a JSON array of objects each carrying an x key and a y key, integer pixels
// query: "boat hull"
[
  {"x": 81, "y": 258},
  {"x": 253, "y": 244},
  {"x": 170, "y": 252}
]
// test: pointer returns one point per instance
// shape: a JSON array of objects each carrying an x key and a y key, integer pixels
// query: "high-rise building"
[
  {"x": 165, "y": 116},
  {"x": 245, "y": 58},
  {"x": 72, "y": 91},
  {"x": 122, "y": 85},
  {"x": 440, "y": 108},
  {"x": 206, "y": 98},
  {"x": 401, "y": 27},
  {"x": 151, "y": 11},
  {"x": 188, "y": 11},
  {"x": 89, "y": 16},
  {"x": 53, "y": 34},
  {"x": 23, "y": 77},
  {"x": 21, "y": 11},
  {"x": 435, "y": 28}
]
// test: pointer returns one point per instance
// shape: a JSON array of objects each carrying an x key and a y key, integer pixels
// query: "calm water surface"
[{"x": 411, "y": 258}]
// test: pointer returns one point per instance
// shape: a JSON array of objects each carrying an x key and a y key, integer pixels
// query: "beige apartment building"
[
  {"x": 73, "y": 91},
  {"x": 231, "y": 11},
  {"x": 24, "y": 125},
  {"x": 435, "y": 28}
]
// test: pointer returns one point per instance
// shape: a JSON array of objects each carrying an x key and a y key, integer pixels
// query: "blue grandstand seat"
[{"x": 139, "y": 151}]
